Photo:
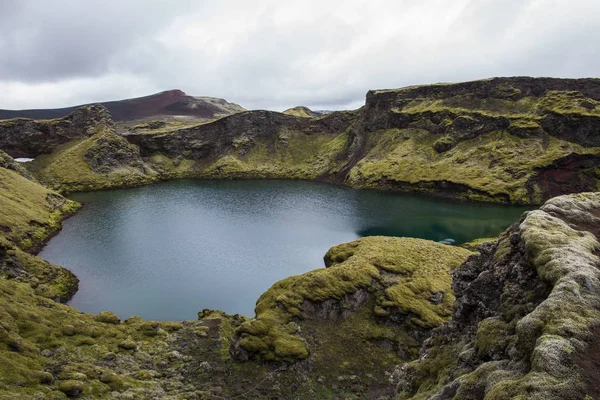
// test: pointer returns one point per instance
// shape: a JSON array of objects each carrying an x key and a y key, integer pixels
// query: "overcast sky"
[{"x": 278, "y": 54}]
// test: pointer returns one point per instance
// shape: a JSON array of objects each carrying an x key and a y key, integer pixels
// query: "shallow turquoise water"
[{"x": 169, "y": 250}]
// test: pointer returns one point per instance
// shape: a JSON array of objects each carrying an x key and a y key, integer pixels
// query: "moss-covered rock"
[
  {"x": 22, "y": 137},
  {"x": 524, "y": 322},
  {"x": 102, "y": 160},
  {"x": 301, "y": 111},
  {"x": 395, "y": 280}
]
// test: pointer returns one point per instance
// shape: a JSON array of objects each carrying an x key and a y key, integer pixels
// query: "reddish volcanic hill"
[{"x": 170, "y": 102}]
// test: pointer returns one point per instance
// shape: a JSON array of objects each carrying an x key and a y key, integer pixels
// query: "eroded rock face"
[
  {"x": 524, "y": 319},
  {"x": 21, "y": 137},
  {"x": 497, "y": 140},
  {"x": 210, "y": 141}
]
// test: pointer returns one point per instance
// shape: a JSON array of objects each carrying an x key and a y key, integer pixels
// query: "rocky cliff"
[
  {"x": 512, "y": 140},
  {"x": 22, "y": 137}
]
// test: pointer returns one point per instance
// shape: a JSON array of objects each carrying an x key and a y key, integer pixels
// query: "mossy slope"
[
  {"x": 30, "y": 214},
  {"x": 102, "y": 160},
  {"x": 479, "y": 146},
  {"x": 525, "y": 322},
  {"x": 301, "y": 111},
  {"x": 512, "y": 140},
  {"x": 399, "y": 286}
]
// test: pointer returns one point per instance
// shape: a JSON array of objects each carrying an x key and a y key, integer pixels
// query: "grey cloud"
[
  {"x": 49, "y": 40},
  {"x": 326, "y": 56}
]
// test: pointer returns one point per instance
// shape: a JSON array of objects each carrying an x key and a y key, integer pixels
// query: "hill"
[
  {"x": 167, "y": 103},
  {"x": 302, "y": 111}
]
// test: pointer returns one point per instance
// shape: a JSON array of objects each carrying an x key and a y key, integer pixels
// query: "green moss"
[
  {"x": 108, "y": 317},
  {"x": 438, "y": 368},
  {"x": 567, "y": 103},
  {"x": 150, "y": 328},
  {"x": 291, "y": 155},
  {"x": 31, "y": 212},
  {"x": 533, "y": 348},
  {"x": 410, "y": 270},
  {"x": 71, "y": 388},
  {"x": 492, "y": 167},
  {"x": 472, "y": 245},
  {"x": 492, "y": 337},
  {"x": 301, "y": 111},
  {"x": 68, "y": 168}
]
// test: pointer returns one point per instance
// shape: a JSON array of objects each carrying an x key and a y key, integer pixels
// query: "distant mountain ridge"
[{"x": 170, "y": 102}]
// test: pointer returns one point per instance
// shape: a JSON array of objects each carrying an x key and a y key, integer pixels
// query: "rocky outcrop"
[
  {"x": 525, "y": 319},
  {"x": 99, "y": 161},
  {"x": 573, "y": 173},
  {"x": 30, "y": 138},
  {"x": 111, "y": 152},
  {"x": 239, "y": 131},
  {"x": 490, "y": 137},
  {"x": 7, "y": 162},
  {"x": 385, "y": 285}
]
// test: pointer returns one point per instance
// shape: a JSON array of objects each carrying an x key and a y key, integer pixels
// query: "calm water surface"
[{"x": 169, "y": 250}]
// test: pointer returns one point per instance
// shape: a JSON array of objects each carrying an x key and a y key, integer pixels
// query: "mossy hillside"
[
  {"x": 8, "y": 162},
  {"x": 555, "y": 101},
  {"x": 30, "y": 214},
  {"x": 492, "y": 167},
  {"x": 473, "y": 244},
  {"x": 69, "y": 167},
  {"x": 400, "y": 276},
  {"x": 560, "y": 328},
  {"x": 47, "y": 349},
  {"x": 301, "y": 111},
  {"x": 47, "y": 280},
  {"x": 30, "y": 211},
  {"x": 289, "y": 155},
  {"x": 533, "y": 346},
  {"x": 483, "y": 141}
]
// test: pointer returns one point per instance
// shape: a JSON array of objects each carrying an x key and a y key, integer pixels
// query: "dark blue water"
[{"x": 169, "y": 250}]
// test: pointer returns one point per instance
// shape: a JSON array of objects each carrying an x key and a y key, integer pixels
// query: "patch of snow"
[
  {"x": 447, "y": 241},
  {"x": 23, "y": 159}
]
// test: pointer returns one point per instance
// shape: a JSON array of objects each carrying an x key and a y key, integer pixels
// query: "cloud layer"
[{"x": 273, "y": 55}]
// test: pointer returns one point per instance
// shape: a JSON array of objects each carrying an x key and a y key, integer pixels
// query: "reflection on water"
[{"x": 169, "y": 250}]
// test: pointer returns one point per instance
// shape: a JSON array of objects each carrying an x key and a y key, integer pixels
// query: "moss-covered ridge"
[
  {"x": 21, "y": 137},
  {"x": 100, "y": 161},
  {"x": 30, "y": 215},
  {"x": 517, "y": 140},
  {"x": 526, "y": 317},
  {"x": 401, "y": 286},
  {"x": 301, "y": 111},
  {"x": 512, "y": 140}
]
